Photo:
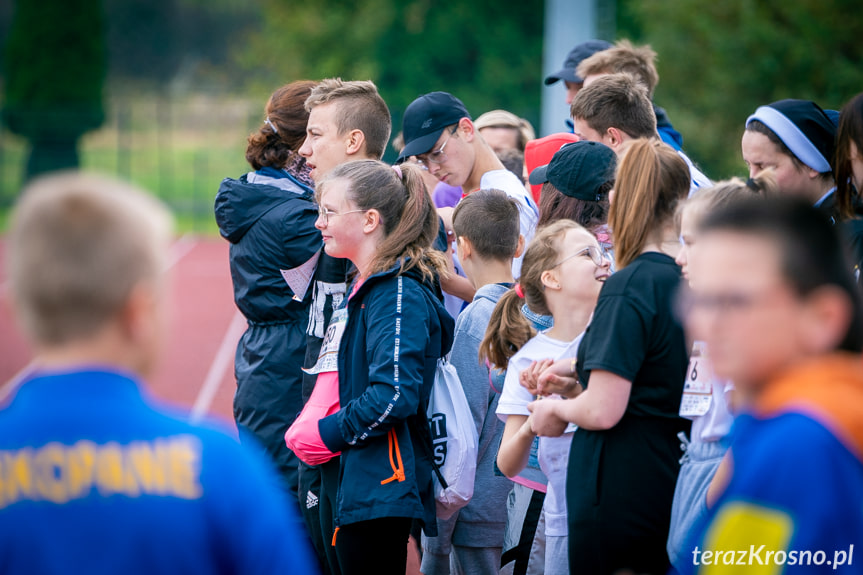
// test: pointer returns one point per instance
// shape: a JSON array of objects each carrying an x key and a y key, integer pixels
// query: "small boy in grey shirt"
[{"x": 486, "y": 225}]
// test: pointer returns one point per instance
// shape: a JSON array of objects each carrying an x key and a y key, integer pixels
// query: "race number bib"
[
  {"x": 329, "y": 356},
  {"x": 698, "y": 388}
]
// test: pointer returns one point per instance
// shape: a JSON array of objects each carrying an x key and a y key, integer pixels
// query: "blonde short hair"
[
  {"x": 640, "y": 61},
  {"x": 360, "y": 107},
  {"x": 504, "y": 119},
  {"x": 78, "y": 245}
]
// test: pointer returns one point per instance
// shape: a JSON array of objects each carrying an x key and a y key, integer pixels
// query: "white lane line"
[
  {"x": 221, "y": 363},
  {"x": 180, "y": 248},
  {"x": 8, "y": 388}
]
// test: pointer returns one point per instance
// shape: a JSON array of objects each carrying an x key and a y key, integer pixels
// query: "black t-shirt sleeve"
[
  {"x": 635, "y": 335},
  {"x": 617, "y": 340}
]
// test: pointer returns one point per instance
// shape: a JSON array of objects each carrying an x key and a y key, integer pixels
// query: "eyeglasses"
[
  {"x": 324, "y": 214},
  {"x": 726, "y": 304},
  {"x": 594, "y": 252},
  {"x": 438, "y": 156}
]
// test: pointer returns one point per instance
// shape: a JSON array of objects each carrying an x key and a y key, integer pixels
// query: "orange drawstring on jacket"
[{"x": 396, "y": 463}]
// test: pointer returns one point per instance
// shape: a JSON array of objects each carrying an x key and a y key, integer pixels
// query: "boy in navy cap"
[
  {"x": 573, "y": 81},
  {"x": 438, "y": 130}
]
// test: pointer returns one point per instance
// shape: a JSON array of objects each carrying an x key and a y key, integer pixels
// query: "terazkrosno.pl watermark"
[{"x": 761, "y": 556}]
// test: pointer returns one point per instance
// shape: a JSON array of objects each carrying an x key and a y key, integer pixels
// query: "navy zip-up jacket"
[
  {"x": 269, "y": 217},
  {"x": 396, "y": 331}
]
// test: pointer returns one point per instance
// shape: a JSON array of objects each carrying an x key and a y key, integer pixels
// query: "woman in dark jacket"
[
  {"x": 268, "y": 216},
  {"x": 394, "y": 329}
]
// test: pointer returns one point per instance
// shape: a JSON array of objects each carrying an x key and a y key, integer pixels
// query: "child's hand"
[
  {"x": 559, "y": 378},
  {"x": 529, "y": 377},
  {"x": 544, "y": 420}
]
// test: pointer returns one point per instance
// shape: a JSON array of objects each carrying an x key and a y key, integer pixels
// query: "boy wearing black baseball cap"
[
  {"x": 568, "y": 74},
  {"x": 438, "y": 130}
]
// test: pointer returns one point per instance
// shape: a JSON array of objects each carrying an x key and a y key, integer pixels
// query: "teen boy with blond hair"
[{"x": 348, "y": 120}]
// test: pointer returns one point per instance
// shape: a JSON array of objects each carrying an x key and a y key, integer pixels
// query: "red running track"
[
  {"x": 197, "y": 365},
  {"x": 202, "y": 335}
]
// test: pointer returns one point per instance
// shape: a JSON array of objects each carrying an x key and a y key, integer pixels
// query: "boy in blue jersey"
[
  {"x": 95, "y": 476},
  {"x": 776, "y": 304}
]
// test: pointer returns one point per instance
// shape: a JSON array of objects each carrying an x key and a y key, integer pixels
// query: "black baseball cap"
[
  {"x": 425, "y": 119},
  {"x": 574, "y": 58},
  {"x": 578, "y": 170}
]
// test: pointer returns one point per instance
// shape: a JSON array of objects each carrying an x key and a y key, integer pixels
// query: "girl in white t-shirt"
[
  {"x": 561, "y": 275},
  {"x": 706, "y": 400}
]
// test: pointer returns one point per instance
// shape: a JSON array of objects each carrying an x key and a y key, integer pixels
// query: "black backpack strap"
[{"x": 419, "y": 424}]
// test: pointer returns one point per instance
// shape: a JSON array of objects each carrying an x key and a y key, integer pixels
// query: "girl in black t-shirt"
[{"x": 627, "y": 381}]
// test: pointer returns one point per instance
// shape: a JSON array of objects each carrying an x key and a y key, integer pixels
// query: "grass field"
[{"x": 178, "y": 149}]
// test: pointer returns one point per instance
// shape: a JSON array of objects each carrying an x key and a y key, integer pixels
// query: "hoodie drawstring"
[{"x": 395, "y": 462}]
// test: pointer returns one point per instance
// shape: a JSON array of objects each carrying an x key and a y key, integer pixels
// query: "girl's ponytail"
[{"x": 508, "y": 330}]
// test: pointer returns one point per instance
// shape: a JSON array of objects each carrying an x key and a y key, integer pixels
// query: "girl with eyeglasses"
[
  {"x": 391, "y": 330},
  {"x": 561, "y": 276},
  {"x": 626, "y": 380},
  {"x": 706, "y": 399}
]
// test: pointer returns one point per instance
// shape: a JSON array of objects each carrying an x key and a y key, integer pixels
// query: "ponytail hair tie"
[
  {"x": 398, "y": 170},
  {"x": 518, "y": 291},
  {"x": 271, "y": 125}
]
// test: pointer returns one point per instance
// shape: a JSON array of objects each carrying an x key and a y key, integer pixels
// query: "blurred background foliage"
[
  {"x": 186, "y": 80},
  {"x": 719, "y": 61}
]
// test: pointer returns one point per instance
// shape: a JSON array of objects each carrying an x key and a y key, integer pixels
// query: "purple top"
[{"x": 445, "y": 195}]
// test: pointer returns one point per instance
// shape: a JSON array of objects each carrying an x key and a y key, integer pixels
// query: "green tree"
[
  {"x": 487, "y": 56},
  {"x": 719, "y": 61},
  {"x": 54, "y": 70}
]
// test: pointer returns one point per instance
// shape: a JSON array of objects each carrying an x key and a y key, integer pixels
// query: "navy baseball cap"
[
  {"x": 578, "y": 170},
  {"x": 425, "y": 119},
  {"x": 574, "y": 58}
]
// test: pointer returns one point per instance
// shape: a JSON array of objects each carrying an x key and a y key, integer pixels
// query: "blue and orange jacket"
[
  {"x": 397, "y": 329},
  {"x": 796, "y": 488}
]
